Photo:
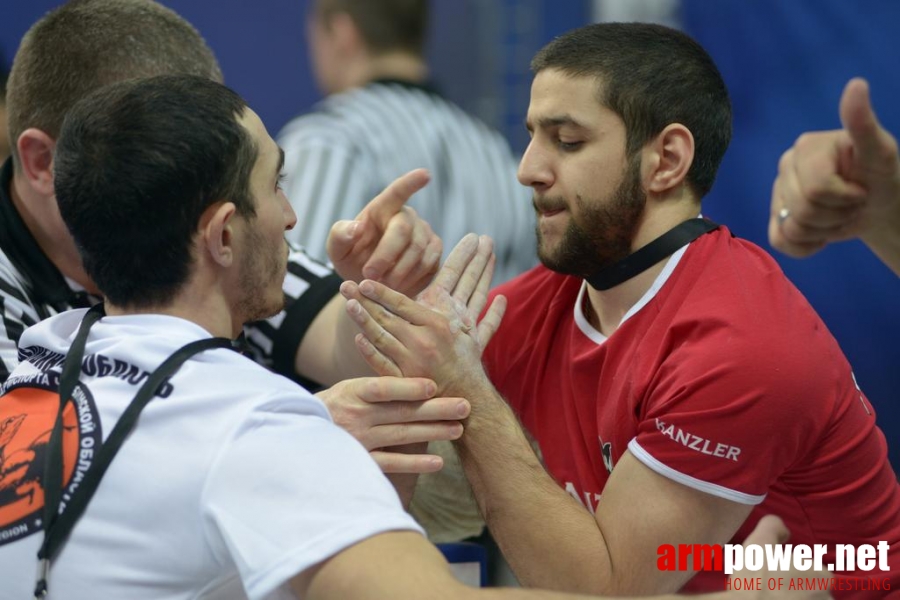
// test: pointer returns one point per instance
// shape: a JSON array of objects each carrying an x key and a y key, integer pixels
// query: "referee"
[{"x": 382, "y": 119}]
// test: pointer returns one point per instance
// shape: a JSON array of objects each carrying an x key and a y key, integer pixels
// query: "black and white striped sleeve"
[
  {"x": 308, "y": 287},
  {"x": 17, "y": 314},
  {"x": 327, "y": 179}
]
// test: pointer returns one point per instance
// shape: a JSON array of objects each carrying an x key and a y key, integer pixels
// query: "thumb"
[
  {"x": 341, "y": 239},
  {"x": 391, "y": 201},
  {"x": 860, "y": 121}
]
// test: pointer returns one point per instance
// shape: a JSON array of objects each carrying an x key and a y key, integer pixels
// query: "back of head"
[
  {"x": 651, "y": 76},
  {"x": 385, "y": 25},
  {"x": 136, "y": 165},
  {"x": 85, "y": 44}
]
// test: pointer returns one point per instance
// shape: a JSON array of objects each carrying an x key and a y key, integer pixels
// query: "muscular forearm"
[{"x": 550, "y": 540}]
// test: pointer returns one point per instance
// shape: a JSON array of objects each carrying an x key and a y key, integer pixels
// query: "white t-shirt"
[{"x": 233, "y": 481}]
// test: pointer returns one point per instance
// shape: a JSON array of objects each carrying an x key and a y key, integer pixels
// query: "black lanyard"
[
  {"x": 58, "y": 526},
  {"x": 644, "y": 258}
]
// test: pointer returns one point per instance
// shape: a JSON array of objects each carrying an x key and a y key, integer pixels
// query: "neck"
[
  {"x": 392, "y": 65},
  {"x": 208, "y": 310},
  {"x": 605, "y": 309},
  {"x": 41, "y": 217}
]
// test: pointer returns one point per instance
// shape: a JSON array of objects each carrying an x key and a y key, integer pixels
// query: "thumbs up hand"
[{"x": 840, "y": 184}]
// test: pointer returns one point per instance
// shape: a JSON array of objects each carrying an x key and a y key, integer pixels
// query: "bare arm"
[
  {"x": 404, "y": 566},
  {"x": 841, "y": 184},
  {"x": 386, "y": 242},
  {"x": 403, "y": 336}
]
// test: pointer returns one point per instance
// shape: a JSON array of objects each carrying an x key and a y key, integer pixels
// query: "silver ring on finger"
[{"x": 783, "y": 215}]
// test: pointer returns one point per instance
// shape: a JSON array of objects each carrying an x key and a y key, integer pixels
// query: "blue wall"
[{"x": 785, "y": 64}]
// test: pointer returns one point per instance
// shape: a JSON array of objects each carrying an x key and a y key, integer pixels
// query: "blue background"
[{"x": 785, "y": 64}]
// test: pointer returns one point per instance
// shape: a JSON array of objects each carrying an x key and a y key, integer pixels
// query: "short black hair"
[
  {"x": 136, "y": 165},
  {"x": 651, "y": 76}
]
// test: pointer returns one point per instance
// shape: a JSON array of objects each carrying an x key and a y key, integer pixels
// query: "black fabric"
[
  {"x": 47, "y": 286},
  {"x": 299, "y": 316},
  {"x": 58, "y": 526},
  {"x": 647, "y": 256}
]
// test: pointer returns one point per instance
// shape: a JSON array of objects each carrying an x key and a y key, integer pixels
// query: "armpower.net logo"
[{"x": 742, "y": 563}]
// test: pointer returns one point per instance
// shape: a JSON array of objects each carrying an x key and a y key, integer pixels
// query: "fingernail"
[
  {"x": 462, "y": 409},
  {"x": 366, "y": 288},
  {"x": 351, "y": 231},
  {"x": 354, "y": 307},
  {"x": 430, "y": 389}
]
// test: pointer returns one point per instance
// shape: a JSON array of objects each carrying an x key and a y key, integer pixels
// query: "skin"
[
  {"x": 839, "y": 185},
  {"x": 460, "y": 292},
  {"x": 390, "y": 565},
  {"x": 387, "y": 241},
  {"x": 576, "y": 163}
]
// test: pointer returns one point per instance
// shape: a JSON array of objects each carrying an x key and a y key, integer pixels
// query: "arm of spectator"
[
  {"x": 841, "y": 184},
  {"x": 387, "y": 242}
]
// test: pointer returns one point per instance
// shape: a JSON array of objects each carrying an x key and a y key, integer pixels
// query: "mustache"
[{"x": 548, "y": 203}]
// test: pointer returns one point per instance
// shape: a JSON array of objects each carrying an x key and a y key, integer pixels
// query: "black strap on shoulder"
[
  {"x": 57, "y": 527},
  {"x": 647, "y": 256}
]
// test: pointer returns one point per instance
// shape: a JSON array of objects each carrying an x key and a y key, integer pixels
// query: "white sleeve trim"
[{"x": 691, "y": 482}]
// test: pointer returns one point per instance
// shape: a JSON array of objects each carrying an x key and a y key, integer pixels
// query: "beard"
[
  {"x": 602, "y": 233},
  {"x": 262, "y": 278}
]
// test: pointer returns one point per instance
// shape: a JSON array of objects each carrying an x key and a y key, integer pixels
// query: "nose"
[
  {"x": 534, "y": 168},
  {"x": 290, "y": 217}
]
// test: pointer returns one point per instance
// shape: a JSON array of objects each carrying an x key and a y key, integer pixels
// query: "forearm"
[
  {"x": 328, "y": 352},
  {"x": 549, "y": 539},
  {"x": 884, "y": 239}
]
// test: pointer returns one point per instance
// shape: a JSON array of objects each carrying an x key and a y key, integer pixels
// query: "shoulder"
[
  {"x": 53, "y": 333},
  {"x": 252, "y": 392},
  {"x": 733, "y": 311}
]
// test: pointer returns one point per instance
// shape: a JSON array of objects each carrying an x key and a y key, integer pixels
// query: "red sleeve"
[{"x": 728, "y": 414}]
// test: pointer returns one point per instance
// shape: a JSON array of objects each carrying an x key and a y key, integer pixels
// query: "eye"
[
  {"x": 569, "y": 146},
  {"x": 279, "y": 182}
]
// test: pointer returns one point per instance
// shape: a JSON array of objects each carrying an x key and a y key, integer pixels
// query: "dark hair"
[
  {"x": 385, "y": 25},
  {"x": 651, "y": 76},
  {"x": 136, "y": 164},
  {"x": 84, "y": 44}
]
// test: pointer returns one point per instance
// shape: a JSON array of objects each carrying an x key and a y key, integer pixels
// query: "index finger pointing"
[{"x": 389, "y": 202}]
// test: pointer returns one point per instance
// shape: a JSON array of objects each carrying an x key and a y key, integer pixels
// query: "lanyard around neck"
[
  {"x": 57, "y": 527},
  {"x": 644, "y": 258}
]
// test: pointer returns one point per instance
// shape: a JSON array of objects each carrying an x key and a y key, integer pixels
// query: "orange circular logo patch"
[{"x": 27, "y": 414}]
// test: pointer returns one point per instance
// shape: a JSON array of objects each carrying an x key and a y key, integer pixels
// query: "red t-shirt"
[{"x": 724, "y": 380}]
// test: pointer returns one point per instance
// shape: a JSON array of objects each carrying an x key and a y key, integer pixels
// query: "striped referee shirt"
[
  {"x": 33, "y": 289},
  {"x": 355, "y": 143}
]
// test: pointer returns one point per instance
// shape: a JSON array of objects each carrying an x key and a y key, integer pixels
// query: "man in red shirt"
[{"x": 677, "y": 385}]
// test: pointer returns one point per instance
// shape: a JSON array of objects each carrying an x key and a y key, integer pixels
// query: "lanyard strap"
[
  {"x": 644, "y": 258},
  {"x": 58, "y": 526}
]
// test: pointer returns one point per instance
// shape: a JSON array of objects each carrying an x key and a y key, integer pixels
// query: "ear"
[
  {"x": 35, "y": 150},
  {"x": 216, "y": 233},
  {"x": 667, "y": 159},
  {"x": 345, "y": 34}
]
